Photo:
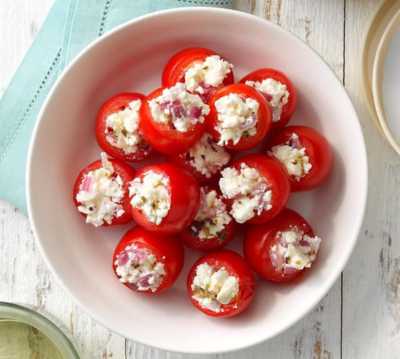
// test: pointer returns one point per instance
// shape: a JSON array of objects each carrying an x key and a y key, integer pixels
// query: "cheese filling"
[
  {"x": 139, "y": 266},
  {"x": 207, "y": 157},
  {"x": 276, "y": 94},
  {"x": 294, "y": 250},
  {"x": 249, "y": 190},
  {"x": 122, "y": 128},
  {"x": 202, "y": 76},
  {"x": 178, "y": 108},
  {"x": 236, "y": 118},
  {"x": 214, "y": 288},
  {"x": 293, "y": 157},
  {"x": 212, "y": 217},
  {"x": 100, "y": 194},
  {"x": 150, "y": 194}
]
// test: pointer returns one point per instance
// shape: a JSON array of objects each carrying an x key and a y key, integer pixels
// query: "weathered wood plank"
[
  {"x": 371, "y": 286},
  {"x": 24, "y": 276},
  {"x": 25, "y": 279}
]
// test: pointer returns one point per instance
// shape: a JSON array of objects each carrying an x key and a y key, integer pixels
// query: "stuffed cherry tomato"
[
  {"x": 278, "y": 91},
  {"x": 164, "y": 198},
  {"x": 101, "y": 192},
  {"x": 173, "y": 119},
  {"x": 257, "y": 188},
  {"x": 204, "y": 160},
  {"x": 281, "y": 249},
  {"x": 146, "y": 262},
  {"x": 212, "y": 227},
  {"x": 221, "y": 284},
  {"x": 239, "y": 117},
  {"x": 117, "y": 127},
  {"x": 201, "y": 70},
  {"x": 305, "y": 154}
]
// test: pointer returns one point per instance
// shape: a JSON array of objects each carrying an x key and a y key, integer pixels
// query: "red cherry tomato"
[
  {"x": 207, "y": 153},
  {"x": 135, "y": 247},
  {"x": 121, "y": 169},
  {"x": 184, "y": 194},
  {"x": 115, "y": 104},
  {"x": 317, "y": 149},
  {"x": 260, "y": 239},
  {"x": 163, "y": 137},
  {"x": 287, "y": 109},
  {"x": 276, "y": 180},
  {"x": 212, "y": 214},
  {"x": 263, "y": 116},
  {"x": 234, "y": 264},
  {"x": 179, "y": 63}
]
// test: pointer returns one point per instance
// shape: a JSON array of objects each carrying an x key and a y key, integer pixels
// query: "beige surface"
[
  {"x": 377, "y": 77},
  {"x": 380, "y": 32},
  {"x": 358, "y": 319}
]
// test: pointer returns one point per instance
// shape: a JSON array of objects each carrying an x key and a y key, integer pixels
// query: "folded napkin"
[{"x": 69, "y": 27}]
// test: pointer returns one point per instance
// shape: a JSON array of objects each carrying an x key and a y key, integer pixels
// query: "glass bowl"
[{"x": 17, "y": 314}]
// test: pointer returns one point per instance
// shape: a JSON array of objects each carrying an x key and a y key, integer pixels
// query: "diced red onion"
[
  {"x": 122, "y": 259},
  {"x": 250, "y": 122},
  {"x": 195, "y": 112},
  {"x": 87, "y": 184},
  {"x": 144, "y": 282},
  {"x": 276, "y": 259},
  {"x": 289, "y": 270}
]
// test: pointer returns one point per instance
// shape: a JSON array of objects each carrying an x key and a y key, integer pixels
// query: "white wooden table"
[{"x": 358, "y": 319}]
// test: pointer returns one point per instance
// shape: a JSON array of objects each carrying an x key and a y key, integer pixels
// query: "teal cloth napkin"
[{"x": 69, "y": 27}]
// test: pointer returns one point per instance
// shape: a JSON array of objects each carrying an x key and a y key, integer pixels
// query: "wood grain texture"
[
  {"x": 371, "y": 285},
  {"x": 371, "y": 282}
]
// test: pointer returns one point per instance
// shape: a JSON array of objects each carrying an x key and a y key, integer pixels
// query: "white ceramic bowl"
[{"x": 131, "y": 58}]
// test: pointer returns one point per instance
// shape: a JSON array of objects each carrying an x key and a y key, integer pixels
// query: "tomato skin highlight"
[
  {"x": 317, "y": 149},
  {"x": 122, "y": 169},
  {"x": 260, "y": 238},
  {"x": 290, "y": 107},
  {"x": 264, "y": 117},
  {"x": 179, "y": 63},
  {"x": 161, "y": 136},
  {"x": 235, "y": 265},
  {"x": 115, "y": 104},
  {"x": 276, "y": 177},
  {"x": 185, "y": 198},
  {"x": 166, "y": 249}
]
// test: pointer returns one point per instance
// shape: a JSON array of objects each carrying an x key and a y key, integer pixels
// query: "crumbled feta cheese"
[
  {"x": 122, "y": 128},
  {"x": 294, "y": 250},
  {"x": 212, "y": 289},
  {"x": 293, "y": 157},
  {"x": 212, "y": 217},
  {"x": 151, "y": 195},
  {"x": 236, "y": 118},
  {"x": 249, "y": 190},
  {"x": 209, "y": 73},
  {"x": 207, "y": 157},
  {"x": 139, "y": 266},
  {"x": 178, "y": 108},
  {"x": 276, "y": 93},
  {"x": 100, "y": 194}
]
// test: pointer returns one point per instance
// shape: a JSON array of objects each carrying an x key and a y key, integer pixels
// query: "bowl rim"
[
  {"x": 378, "y": 76},
  {"x": 358, "y": 220}
]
